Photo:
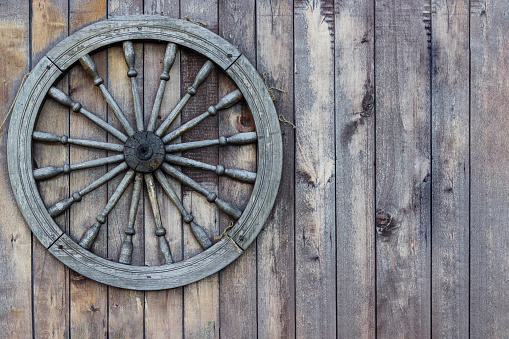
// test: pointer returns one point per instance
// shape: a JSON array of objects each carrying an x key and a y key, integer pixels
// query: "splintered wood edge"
[{"x": 202, "y": 41}]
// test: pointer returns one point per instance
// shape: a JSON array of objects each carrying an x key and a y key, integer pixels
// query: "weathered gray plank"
[
  {"x": 201, "y": 299},
  {"x": 489, "y": 271},
  {"x": 238, "y": 280},
  {"x": 15, "y": 236},
  {"x": 275, "y": 246},
  {"x": 88, "y": 299},
  {"x": 51, "y": 277},
  {"x": 126, "y": 307},
  {"x": 450, "y": 169},
  {"x": 355, "y": 148},
  {"x": 314, "y": 170},
  {"x": 163, "y": 309},
  {"x": 402, "y": 65}
]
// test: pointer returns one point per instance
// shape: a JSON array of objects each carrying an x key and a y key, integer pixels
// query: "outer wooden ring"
[{"x": 191, "y": 36}]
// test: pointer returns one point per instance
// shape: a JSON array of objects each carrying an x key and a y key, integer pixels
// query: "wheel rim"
[{"x": 144, "y": 151}]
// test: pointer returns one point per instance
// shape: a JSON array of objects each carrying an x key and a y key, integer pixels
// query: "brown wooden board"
[
  {"x": 49, "y": 25},
  {"x": 450, "y": 117},
  {"x": 275, "y": 245},
  {"x": 88, "y": 299},
  {"x": 489, "y": 271},
  {"x": 355, "y": 155},
  {"x": 163, "y": 309},
  {"x": 125, "y": 307},
  {"x": 237, "y": 281},
  {"x": 50, "y": 277},
  {"x": 201, "y": 299},
  {"x": 403, "y": 168},
  {"x": 15, "y": 237},
  {"x": 315, "y": 231}
]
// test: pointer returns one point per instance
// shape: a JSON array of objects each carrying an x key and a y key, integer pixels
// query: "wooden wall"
[{"x": 391, "y": 220}]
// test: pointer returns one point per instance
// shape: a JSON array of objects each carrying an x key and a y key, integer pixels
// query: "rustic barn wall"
[{"x": 391, "y": 217}]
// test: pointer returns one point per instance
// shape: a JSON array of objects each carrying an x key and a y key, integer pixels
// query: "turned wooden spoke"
[
  {"x": 126, "y": 251},
  {"x": 164, "y": 247},
  {"x": 236, "y": 139},
  {"x": 64, "y": 140},
  {"x": 52, "y": 171},
  {"x": 91, "y": 70},
  {"x": 202, "y": 75},
  {"x": 234, "y": 173},
  {"x": 90, "y": 235},
  {"x": 129, "y": 57},
  {"x": 76, "y": 107},
  {"x": 169, "y": 59},
  {"x": 224, "y": 206},
  {"x": 198, "y": 232},
  {"x": 63, "y": 205},
  {"x": 228, "y": 100}
]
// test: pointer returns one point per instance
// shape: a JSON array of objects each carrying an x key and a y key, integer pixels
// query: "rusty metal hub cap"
[{"x": 144, "y": 152}]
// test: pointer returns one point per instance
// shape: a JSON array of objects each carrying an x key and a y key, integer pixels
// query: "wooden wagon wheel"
[{"x": 145, "y": 155}]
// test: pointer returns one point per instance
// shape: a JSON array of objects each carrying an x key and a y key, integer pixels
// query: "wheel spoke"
[
  {"x": 63, "y": 205},
  {"x": 228, "y": 100},
  {"x": 90, "y": 235},
  {"x": 91, "y": 70},
  {"x": 52, "y": 171},
  {"x": 234, "y": 173},
  {"x": 202, "y": 75},
  {"x": 224, "y": 206},
  {"x": 169, "y": 59},
  {"x": 126, "y": 251},
  {"x": 198, "y": 232},
  {"x": 52, "y": 138},
  {"x": 164, "y": 247},
  {"x": 76, "y": 107},
  {"x": 236, "y": 139},
  {"x": 129, "y": 57}
]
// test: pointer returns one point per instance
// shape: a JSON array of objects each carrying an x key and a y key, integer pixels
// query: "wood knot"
[
  {"x": 384, "y": 222},
  {"x": 245, "y": 122},
  {"x": 76, "y": 276}
]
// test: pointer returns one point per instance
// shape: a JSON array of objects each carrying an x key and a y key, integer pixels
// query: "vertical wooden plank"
[
  {"x": 489, "y": 269},
  {"x": 126, "y": 307},
  {"x": 163, "y": 309},
  {"x": 275, "y": 246},
  {"x": 238, "y": 280},
  {"x": 50, "y": 281},
  {"x": 201, "y": 299},
  {"x": 15, "y": 236},
  {"x": 88, "y": 299},
  {"x": 402, "y": 64},
  {"x": 315, "y": 242},
  {"x": 355, "y": 150},
  {"x": 450, "y": 169}
]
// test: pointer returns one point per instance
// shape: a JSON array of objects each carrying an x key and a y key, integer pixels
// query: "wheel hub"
[{"x": 144, "y": 152}]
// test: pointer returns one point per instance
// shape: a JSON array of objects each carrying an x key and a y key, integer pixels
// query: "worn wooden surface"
[{"x": 393, "y": 115}]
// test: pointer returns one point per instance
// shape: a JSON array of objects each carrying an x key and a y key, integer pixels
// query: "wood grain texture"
[
  {"x": 126, "y": 308},
  {"x": 237, "y": 281},
  {"x": 315, "y": 271},
  {"x": 15, "y": 236},
  {"x": 421, "y": 291},
  {"x": 163, "y": 309},
  {"x": 275, "y": 245},
  {"x": 201, "y": 299},
  {"x": 355, "y": 156},
  {"x": 489, "y": 269},
  {"x": 403, "y": 172},
  {"x": 50, "y": 277},
  {"x": 88, "y": 299},
  {"x": 450, "y": 116}
]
